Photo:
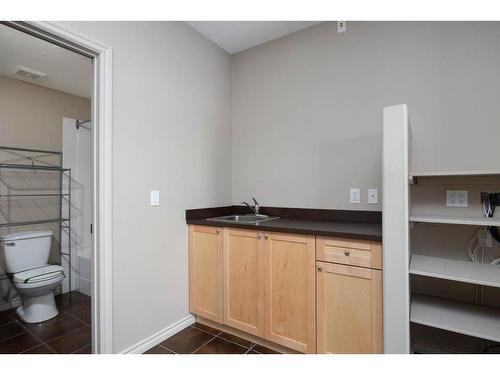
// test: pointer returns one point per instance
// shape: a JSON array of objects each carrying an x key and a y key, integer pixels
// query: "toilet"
[{"x": 26, "y": 261}]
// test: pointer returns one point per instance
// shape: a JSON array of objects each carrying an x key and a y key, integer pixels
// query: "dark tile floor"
[
  {"x": 69, "y": 332},
  {"x": 201, "y": 339}
]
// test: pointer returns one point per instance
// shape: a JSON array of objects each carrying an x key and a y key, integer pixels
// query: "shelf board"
[
  {"x": 34, "y": 167},
  {"x": 456, "y": 270},
  {"x": 33, "y": 222},
  {"x": 33, "y": 195},
  {"x": 459, "y": 317},
  {"x": 456, "y": 173},
  {"x": 459, "y": 220}
]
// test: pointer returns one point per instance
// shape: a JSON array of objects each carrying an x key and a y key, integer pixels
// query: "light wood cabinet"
[
  {"x": 310, "y": 294},
  {"x": 349, "y": 309},
  {"x": 244, "y": 280},
  {"x": 205, "y": 272},
  {"x": 290, "y": 317},
  {"x": 349, "y": 251}
]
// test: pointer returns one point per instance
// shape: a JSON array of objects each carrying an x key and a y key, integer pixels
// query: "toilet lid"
[{"x": 35, "y": 275}]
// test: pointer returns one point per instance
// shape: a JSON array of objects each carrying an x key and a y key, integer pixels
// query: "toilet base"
[{"x": 38, "y": 309}]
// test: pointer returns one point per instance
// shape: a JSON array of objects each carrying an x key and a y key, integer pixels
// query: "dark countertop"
[{"x": 348, "y": 224}]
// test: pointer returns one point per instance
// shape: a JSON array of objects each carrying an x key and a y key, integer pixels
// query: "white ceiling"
[
  {"x": 66, "y": 71},
  {"x": 236, "y": 36}
]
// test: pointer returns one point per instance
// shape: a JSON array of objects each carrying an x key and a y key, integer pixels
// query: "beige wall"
[
  {"x": 31, "y": 116},
  {"x": 306, "y": 113},
  {"x": 171, "y": 132}
]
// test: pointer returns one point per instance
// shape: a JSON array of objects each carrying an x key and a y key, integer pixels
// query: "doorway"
[{"x": 84, "y": 239}]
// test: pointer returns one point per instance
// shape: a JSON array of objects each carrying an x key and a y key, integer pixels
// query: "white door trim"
[{"x": 102, "y": 309}]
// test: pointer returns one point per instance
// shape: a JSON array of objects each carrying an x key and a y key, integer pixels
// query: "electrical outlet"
[
  {"x": 341, "y": 26},
  {"x": 456, "y": 198},
  {"x": 355, "y": 195},
  {"x": 373, "y": 196}
]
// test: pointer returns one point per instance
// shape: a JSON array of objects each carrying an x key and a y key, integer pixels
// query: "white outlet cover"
[
  {"x": 155, "y": 198},
  {"x": 373, "y": 196},
  {"x": 457, "y": 198},
  {"x": 355, "y": 195}
]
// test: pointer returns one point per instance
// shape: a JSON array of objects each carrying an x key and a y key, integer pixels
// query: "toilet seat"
[{"x": 39, "y": 275}]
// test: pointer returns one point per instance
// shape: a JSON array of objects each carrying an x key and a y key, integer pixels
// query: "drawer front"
[{"x": 350, "y": 252}]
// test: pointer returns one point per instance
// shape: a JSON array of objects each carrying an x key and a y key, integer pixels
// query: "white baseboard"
[{"x": 160, "y": 336}]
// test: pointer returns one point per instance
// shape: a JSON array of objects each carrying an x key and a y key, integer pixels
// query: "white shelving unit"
[
  {"x": 425, "y": 194},
  {"x": 479, "y": 221},
  {"x": 456, "y": 270},
  {"x": 464, "y": 318},
  {"x": 478, "y": 173}
]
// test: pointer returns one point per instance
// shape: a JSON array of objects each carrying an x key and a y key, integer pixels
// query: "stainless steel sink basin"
[{"x": 243, "y": 219}]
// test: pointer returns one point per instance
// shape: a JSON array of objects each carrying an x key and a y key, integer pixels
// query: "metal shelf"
[
  {"x": 33, "y": 167},
  {"x": 34, "y": 195},
  {"x": 27, "y": 163},
  {"x": 32, "y": 222}
]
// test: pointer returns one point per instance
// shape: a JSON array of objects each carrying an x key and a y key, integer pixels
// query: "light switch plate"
[
  {"x": 355, "y": 195},
  {"x": 373, "y": 196},
  {"x": 155, "y": 198}
]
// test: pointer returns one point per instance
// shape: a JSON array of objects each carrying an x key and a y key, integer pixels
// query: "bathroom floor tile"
[
  {"x": 221, "y": 346},
  {"x": 7, "y": 316},
  {"x": 10, "y": 329},
  {"x": 52, "y": 329},
  {"x": 71, "y": 342},
  {"x": 84, "y": 316},
  {"x": 68, "y": 332},
  {"x": 187, "y": 340},
  {"x": 31, "y": 326},
  {"x": 76, "y": 307},
  {"x": 18, "y": 344}
]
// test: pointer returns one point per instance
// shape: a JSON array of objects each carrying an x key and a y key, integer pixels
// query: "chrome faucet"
[{"x": 255, "y": 208}]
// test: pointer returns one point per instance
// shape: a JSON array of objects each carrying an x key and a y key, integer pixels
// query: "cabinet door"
[
  {"x": 244, "y": 280},
  {"x": 205, "y": 272},
  {"x": 349, "y": 309},
  {"x": 290, "y": 291}
]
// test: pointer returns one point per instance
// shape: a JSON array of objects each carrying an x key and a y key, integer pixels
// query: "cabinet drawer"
[{"x": 350, "y": 252}]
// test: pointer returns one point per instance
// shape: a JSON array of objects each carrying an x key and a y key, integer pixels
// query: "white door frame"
[{"x": 102, "y": 313}]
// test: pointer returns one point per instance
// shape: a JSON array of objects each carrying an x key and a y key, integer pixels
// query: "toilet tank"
[{"x": 24, "y": 250}]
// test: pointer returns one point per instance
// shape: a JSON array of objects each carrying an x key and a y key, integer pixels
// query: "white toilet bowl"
[
  {"x": 26, "y": 258},
  {"x": 36, "y": 287}
]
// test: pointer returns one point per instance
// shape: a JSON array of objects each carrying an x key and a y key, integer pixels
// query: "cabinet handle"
[
  {"x": 320, "y": 268},
  {"x": 259, "y": 235},
  {"x": 217, "y": 231},
  {"x": 347, "y": 253},
  {"x": 265, "y": 236}
]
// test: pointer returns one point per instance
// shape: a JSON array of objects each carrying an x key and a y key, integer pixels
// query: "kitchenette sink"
[{"x": 243, "y": 219}]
